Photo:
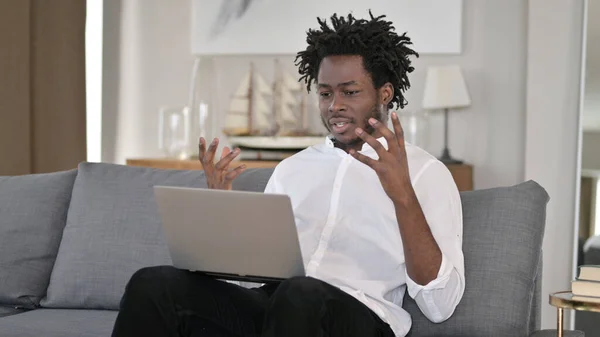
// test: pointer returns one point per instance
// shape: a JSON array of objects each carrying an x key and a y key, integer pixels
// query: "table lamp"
[{"x": 445, "y": 88}]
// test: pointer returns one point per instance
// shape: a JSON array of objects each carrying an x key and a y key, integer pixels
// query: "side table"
[
  {"x": 566, "y": 300},
  {"x": 192, "y": 164}
]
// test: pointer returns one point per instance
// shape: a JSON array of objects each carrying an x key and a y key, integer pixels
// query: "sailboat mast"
[
  {"x": 304, "y": 111},
  {"x": 277, "y": 83},
  {"x": 250, "y": 98}
]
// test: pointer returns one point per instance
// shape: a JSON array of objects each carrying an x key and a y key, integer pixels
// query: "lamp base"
[
  {"x": 446, "y": 159},
  {"x": 449, "y": 161}
]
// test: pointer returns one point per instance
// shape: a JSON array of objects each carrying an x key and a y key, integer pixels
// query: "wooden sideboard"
[
  {"x": 189, "y": 164},
  {"x": 462, "y": 174}
]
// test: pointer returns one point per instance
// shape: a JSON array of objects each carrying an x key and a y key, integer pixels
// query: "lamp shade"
[{"x": 445, "y": 87}]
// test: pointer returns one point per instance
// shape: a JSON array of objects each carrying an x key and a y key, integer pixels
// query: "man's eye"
[
  {"x": 325, "y": 94},
  {"x": 350, "y": 92}
]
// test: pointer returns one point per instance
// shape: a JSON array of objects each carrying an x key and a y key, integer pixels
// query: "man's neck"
[{"x": 356, "y": 146}]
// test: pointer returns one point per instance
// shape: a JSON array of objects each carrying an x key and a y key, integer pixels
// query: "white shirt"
[{"x": 349, "y": 234}]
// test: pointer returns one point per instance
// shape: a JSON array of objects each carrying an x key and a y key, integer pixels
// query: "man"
[{"x": 376, "y": 217}]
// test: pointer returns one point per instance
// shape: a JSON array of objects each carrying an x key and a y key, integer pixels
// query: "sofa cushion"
[
  {"x": 59, "y": 323},
  {"x": 503, "y": 231},
  {"x": 33, "y": 211},
  {"x": 113, "y": 229},
  {"x": 7, "y": 311}
]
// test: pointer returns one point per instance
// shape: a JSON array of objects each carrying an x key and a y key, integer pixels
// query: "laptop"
[{"x": 231, "y": 235}]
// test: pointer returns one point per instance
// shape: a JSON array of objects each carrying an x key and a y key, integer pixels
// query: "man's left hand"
[
  {"x": 422, "y": 254},
  {"x": 392, "y": 165}
]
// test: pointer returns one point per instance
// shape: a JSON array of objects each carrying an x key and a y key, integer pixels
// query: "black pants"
[{"x": 165, "y": 301}]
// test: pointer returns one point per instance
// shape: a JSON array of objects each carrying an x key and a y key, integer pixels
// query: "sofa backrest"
[
  {"x": 113, "y": 229},
  {"x": 503, "y": 229},
  {"x": 33, "y": 212}
]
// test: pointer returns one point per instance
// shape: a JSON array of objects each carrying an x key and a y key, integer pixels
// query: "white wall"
[
  {"x": 552, "y": 132},
  {"x": 150, "y": 67},
  {"x": 590, "y": 155},
  {"x": 111, "y": 57},
  {"x": 489, "y": 134},
  {"x": 591, "y": 107},
  {"x": 147, "y": 65}
]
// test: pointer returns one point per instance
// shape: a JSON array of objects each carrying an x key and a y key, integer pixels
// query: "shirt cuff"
[{"x": 438, "y": 283}]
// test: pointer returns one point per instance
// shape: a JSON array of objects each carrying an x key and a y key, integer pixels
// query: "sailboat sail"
[
  {"x": 291, "y": 83},
  {"x": 287, "y": 88},
  {"x": 287, "y": 115},
  {"x": 288, "y": 118},
  {"x": 261, "y": 86},
  {"x": 261, "y": 114},
  {"x": 248, "y": 110},
  {"x": 304, "y": 110},
  {"x": 236, "y": 120},
  {"x": 261, "y": 110},
  {"x": 242, "y": 90}
]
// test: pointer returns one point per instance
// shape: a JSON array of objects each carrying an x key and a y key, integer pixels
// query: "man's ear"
[{"x": 386, "y": 92}]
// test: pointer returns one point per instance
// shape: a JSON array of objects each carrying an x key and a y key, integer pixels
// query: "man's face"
[{"x": 348, "y": 98}]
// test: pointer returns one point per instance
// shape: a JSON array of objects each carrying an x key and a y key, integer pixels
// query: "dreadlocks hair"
[{"x": 385, "y": 53}]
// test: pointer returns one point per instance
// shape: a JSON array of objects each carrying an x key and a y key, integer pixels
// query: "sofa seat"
[{"x": 59, "y": 323}]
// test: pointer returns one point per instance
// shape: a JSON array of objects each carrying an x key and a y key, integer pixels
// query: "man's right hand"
[{"x": 218, "y": 176}]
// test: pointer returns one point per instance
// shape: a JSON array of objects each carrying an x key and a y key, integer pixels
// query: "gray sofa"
[{"x": 69, "y": 241}]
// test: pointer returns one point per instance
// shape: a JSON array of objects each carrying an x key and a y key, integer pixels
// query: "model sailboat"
[
  {"x": 249, "y": 113},
  {"x": 252, "y": 122}
]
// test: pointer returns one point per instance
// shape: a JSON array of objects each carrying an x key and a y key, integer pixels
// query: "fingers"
[
  {"x": 398, "y": 130},
  {"x": 363, "y": 159},
  {"x": 231, "y": 175},
  {"x": 227, "y": 158},
  {"x": 209, "y": 155},
  {"x": 371, "y": 141},
  {"x": 225, "y": 152},
  {"x": 221, "y": 164},
  {"x": 201, "y": 148},
  {"x": 206, "y": 166},
  {"x": 202, "y": 152},
  {"x": 389, "y": 136}
]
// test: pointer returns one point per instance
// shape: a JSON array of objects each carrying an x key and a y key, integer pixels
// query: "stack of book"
[
  {"x": 265, "y": 154},
  {"x": 587, "y": 284}
]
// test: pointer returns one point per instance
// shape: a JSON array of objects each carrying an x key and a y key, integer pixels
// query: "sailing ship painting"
[{"x": 250, "y": 113}]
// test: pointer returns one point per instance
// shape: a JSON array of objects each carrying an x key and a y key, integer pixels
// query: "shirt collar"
[{"x": 366, "y": 147}]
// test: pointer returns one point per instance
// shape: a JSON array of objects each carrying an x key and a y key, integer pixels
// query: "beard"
[{"x": 378, "y": 112}]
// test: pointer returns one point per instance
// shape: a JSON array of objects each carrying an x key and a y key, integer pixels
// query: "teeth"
[{"x": 340, "y": 124}]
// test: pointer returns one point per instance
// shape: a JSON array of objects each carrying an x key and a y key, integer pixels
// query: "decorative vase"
[
  {"x": 416, "y": 127},
  {"x": 174, "y": 132}
]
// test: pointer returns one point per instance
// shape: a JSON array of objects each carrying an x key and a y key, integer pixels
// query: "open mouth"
[{"x": 340, "y": 126}]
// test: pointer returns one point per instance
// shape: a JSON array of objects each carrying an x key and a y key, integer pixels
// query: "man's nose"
[{"x": 337, "y": 104}]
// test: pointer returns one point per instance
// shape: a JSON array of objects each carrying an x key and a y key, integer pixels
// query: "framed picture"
[{"x": 233, "y": 27}]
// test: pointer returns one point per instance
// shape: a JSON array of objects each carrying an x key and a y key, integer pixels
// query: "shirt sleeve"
[{"x": 440, "y": 201}]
